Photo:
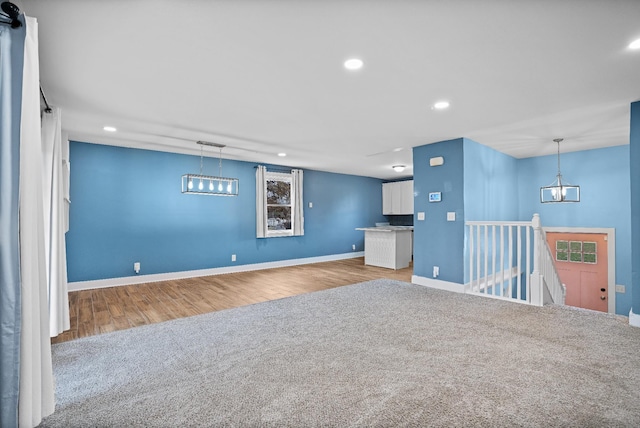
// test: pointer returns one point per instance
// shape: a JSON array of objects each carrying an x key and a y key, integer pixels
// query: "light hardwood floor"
[{"x": 117, "y": 308}]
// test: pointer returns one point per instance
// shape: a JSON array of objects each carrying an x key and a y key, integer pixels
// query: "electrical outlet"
[
  {"x": 233, "y": 257},
  {"x": 353, "y": 247},
  {"x": 436, "y": 271},
  {"x": 136, "y": 267}
]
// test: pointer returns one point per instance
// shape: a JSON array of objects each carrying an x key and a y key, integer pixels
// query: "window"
[
  {"x": 589, "y": 250},
  {"x": 279, "y": 204},
  {"x": 576, "y": 251}
]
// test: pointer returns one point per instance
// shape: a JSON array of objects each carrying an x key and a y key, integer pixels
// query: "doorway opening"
[{"x": 585, "y": 261}]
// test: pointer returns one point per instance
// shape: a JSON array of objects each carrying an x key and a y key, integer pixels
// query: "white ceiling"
[{"x": 265, "y": 77}]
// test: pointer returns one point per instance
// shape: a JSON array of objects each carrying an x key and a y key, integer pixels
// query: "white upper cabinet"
[
  {"x": 387, "y": 198},
  {"x": 397, "y": 198},
  {"x": 406, "y": 204}
]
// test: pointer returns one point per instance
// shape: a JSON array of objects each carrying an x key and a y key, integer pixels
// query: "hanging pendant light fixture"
[
  {"x": 199, "y": 184},
  {"x": 559, "y": 191}
]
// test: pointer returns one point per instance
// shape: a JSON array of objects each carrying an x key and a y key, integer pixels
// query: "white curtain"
[
  {"x": 55, "y": 224},
  {"x": 36, "y": 399},
  {"x": 261, "y": 195},
  {"x": 298, "y": 202},
  {"x": 66, "y": 178},
  {"x": 11, "y": 55}
]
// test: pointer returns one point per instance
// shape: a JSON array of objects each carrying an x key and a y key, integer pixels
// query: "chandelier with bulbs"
[
  {"x": 199, "y": 184},
  {"x": 559, "y": 191}
]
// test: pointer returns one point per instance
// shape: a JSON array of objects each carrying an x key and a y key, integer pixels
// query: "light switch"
[
  {"x": 310, "y": 204},
  {"x": 420, "y": 216},
  {"x": 451, "y": 216}
]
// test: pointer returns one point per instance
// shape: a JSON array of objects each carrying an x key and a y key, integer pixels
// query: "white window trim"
[{"x": 287, "y": 177}]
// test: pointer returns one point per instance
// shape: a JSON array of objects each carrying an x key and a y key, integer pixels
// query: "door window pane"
[
  {"x": 562, "y": 251},
  {"x": 589, "y": 250},
  {"x": 575, "y": 257}
]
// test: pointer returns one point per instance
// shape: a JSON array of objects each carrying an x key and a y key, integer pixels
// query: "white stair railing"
[
  {"x": 512, "y": 261},
  {"x": 553, "y": 289}
]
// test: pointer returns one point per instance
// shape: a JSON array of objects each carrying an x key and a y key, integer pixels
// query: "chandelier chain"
[
  {"x": 201, "y": 154},
  {"x": 220, "y": 162},
  {"x": 558, "y": 140}
]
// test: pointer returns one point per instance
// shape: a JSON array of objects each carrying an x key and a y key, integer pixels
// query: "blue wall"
[
  {"x": 603, "y": 176},
  {"x": 489, "y": 183},
  {"x": 438, "y": 242},
  {"x": 127, "y": 206},
  {"x": 634, "y": 165},
  {"x": 490, "y": 186}
]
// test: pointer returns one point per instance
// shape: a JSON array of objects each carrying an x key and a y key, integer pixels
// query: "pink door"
[{"x": 581, "y": 262}]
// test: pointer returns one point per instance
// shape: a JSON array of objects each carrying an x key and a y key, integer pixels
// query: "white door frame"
[{"x": 611, "y": 256}]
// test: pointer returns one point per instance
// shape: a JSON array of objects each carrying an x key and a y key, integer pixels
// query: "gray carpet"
[{"x": 378, "y": 354}]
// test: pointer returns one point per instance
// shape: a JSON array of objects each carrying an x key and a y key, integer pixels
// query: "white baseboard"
[
  {"x": 141, "y": 279},
  {"x": 436, "y": 283},
  {"x": 634, "y": 319}
]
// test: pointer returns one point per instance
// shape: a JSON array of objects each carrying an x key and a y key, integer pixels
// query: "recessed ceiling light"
[
  {"x": 398, "y": 149},
  {"x": 282, "y": 154},
  {"x": 109, "y": 129},
  {"x": 398, "y": 168},
  {"x": 441, "y": 105},
  {"x": 635, "y": 44},
  {"x": 353, "y": 64}
]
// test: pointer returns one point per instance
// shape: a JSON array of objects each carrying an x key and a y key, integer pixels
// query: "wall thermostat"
[{"x": 435, "y": 197}]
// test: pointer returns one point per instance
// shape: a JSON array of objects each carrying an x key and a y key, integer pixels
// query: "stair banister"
[
  {"x": 537, "y": 284},
  {"x": 535, "y": 265}
]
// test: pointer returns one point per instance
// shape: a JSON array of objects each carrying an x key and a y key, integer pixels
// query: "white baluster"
[
  {"x": 486, "y": 258},
  {"x": 510, "y": 261},
  {"x": 471, "y": 252},
  {"x": 519, "y": 263},
  {"x": 478, "y": 256},
  {"x": 493, "y": 257},
  {"x": 502, "y": 259}
]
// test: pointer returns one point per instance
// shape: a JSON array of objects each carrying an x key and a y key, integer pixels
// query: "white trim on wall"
[
  {"x": 611, "y": 256},
  {"x": 439, "y": 284},
  {"x": 141, "y": 279}
]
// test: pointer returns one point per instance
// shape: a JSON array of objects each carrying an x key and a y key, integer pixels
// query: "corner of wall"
[{"x": 634, "y": 319}]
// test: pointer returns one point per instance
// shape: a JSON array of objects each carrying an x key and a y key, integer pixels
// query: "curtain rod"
[
  {"x": 47, "y": 107},
  {"x": 277, "y": 168}
]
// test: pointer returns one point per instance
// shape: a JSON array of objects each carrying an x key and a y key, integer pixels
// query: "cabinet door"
[
  {"x": 387, "y": 189},
  {"x": 406, "y": 189},
  {"x": 396, "y": 198}
]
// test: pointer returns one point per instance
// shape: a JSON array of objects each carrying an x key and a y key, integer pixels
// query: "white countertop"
[{"x": 385, "y": 228}]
